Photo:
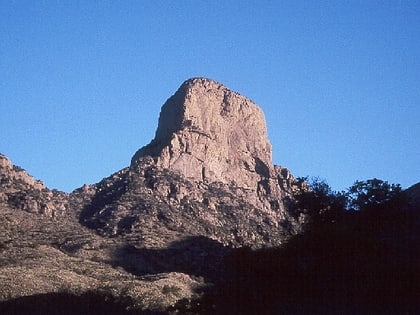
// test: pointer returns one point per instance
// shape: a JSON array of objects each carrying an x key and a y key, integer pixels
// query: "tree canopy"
[
  {"x": 375, "y": 194},
  {"x": 320, "y": 203}
]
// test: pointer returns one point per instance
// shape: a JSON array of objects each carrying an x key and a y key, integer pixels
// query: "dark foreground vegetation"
[
  {"x": 69, "y": 304},
  {"x": 359, "y": 254},
  {"x": 350, "y": 268}
]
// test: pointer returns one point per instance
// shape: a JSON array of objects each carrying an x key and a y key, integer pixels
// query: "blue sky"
[{"x": 82, "y": 82}]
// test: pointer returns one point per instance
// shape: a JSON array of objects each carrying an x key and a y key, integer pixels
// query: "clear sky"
[{"x": 82, "y": 82}]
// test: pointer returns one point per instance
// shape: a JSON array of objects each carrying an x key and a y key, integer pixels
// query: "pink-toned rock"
[
  {"x": 21, "y": 191},
  {"x": 209, "y": 133}
]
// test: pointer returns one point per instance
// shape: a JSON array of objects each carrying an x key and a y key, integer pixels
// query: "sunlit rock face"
[
  {"x": 21, "y": 191},
  {"x": 208, "y": 172},
  {"x": 209, "y": 133}
]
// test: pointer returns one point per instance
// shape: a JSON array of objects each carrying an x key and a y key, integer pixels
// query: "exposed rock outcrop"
[
  {"x": 45, "y": 254},
  {"x": 208, "y": 171},
  {"x": 211, "y": 134},
  {"x": 21, "y": 191}
]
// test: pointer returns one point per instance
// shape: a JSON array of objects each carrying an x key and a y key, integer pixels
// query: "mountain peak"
[
  {"x": 208, "y": 171},
  {"x": 208, "y": 132},
  {"x": 200, "y": 81}
]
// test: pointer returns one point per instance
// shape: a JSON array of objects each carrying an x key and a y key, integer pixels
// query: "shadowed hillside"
[{"x": 202, "y": 222}]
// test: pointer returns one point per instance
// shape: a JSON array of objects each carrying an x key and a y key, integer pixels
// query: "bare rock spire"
[
  {"x": 208, "y": 172},
  {"x": 211, "y": 133}
]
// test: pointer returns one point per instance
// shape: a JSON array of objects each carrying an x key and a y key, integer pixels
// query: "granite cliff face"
[
  {"x": 208, "y": 171},
  {"x": 210, "y": 133}
]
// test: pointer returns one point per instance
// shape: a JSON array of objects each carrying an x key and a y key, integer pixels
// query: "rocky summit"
[
  {"x": 156, "y": 233},
  {"x": 208, "y": 172},
  {"x": 209, "y": 133}
]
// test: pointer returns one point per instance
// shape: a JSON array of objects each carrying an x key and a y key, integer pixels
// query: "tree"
[
  {"x": 375, "y": 194},
  {"x": 319, "y": 201}
]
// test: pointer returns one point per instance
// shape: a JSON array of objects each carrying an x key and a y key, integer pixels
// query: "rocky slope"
[
  {"x": 157, "y": 232},
  {"x": 193, "y": 225},
  {"x": 45, "y": 252},
  {"x": 20, "y": 190},
  {"x": 208, "y": 172}
]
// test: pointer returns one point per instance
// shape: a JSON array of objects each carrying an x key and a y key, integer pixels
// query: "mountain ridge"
[
  {"x": 210, "y": 162},
  {"x": 160, "y": 229},
  {"x": 201, "y": 220}
]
